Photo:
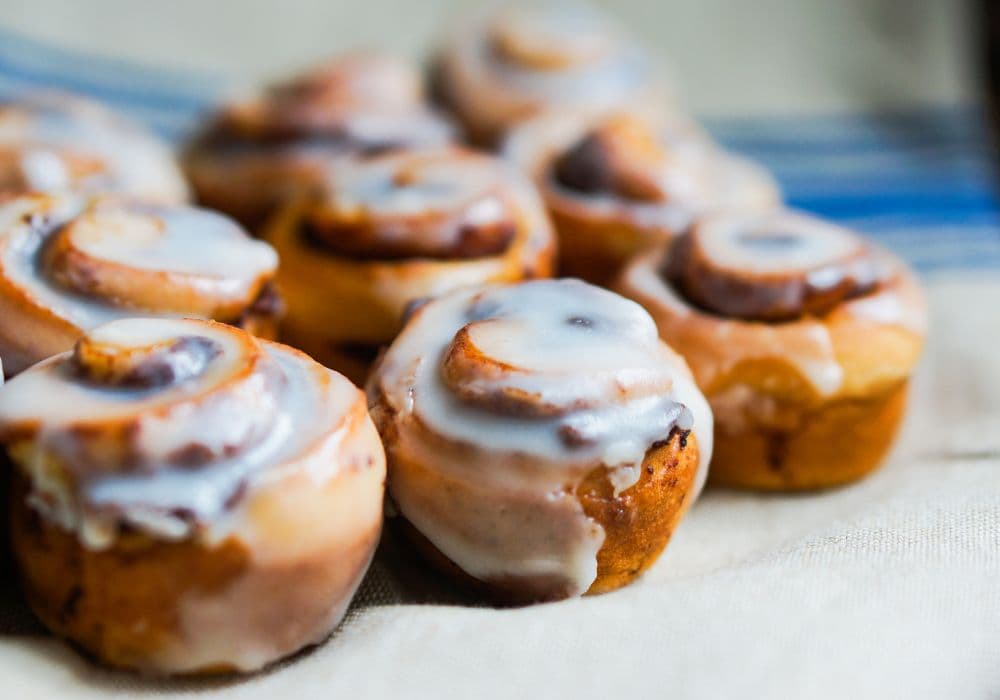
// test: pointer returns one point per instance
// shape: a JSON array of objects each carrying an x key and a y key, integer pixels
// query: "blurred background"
[
  {"x": 868, "y": 111},
  {"x": 729, "y": 56}
]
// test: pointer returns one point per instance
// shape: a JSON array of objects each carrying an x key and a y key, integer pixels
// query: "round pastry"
[
  {"x": 259, "y": 152},
  {"x": 55, "y": 142},
  {"x": 188, "y": 498},
  {"x": 618, "y": 183},
  {"x": 510, "y": 63},
  {"x": 69, "y": 263},
  {"x": 391, "y": 229},
  {"x": 542, "y": 441},
  {"x": 802, "y": 334}
]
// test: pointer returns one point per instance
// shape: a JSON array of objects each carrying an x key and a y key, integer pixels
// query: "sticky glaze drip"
[
  {"x": 170, "y": 457},
  {"x": 543, "y": 382},
  {"x": 445, "y": 203}
]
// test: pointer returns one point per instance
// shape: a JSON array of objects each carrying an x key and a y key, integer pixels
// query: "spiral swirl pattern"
[
  {"x": 511, "y": 63},
  {"x": 522, "y": 391},
  {"x": 69, "y": 264},
  {"x": 224, "y": 489},
  {"x": 259, "y": 152}
]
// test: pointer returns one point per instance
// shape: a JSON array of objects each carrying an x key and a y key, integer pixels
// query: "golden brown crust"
[
  {"x": 124, "y": 606},
  {"x": 637, "y": 523},
  {"x": 809, "y": 448}
]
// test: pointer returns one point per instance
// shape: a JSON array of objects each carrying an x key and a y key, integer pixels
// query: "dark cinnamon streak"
[{"x": 775, "y": 299}]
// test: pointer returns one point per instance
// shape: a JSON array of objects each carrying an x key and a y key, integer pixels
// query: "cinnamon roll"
[
  {"x": 801, "y": 333},
  {"x": 542, "y": 441},
  {"x": 56, "y": 142},
  {"x": 69, "y": 263},
  {"x": 621, "y": 182},
  {"x": 258, "y": 152},
  {"x": 391, "y": 229},
  {"x": 513, "y": 62},
  {"x": 188, "y": 498}
]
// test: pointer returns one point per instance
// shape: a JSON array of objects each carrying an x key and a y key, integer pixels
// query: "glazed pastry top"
[
  {"x": 775, "y": 267},
  {"x": 743, "y": 286},
  {"x": 435, "y": 203},
  {"x": 53, "y": 142},
  {"x": 69, "y": 263},
  {"x": 355, "y": 103},
  {"x": 88, "y": 261},
  {"x": 512, "y": 62},
  {"x": 165, "y": 425},
  {"x": 545, "y": 381},
  {"x": 649, "y": 173}
]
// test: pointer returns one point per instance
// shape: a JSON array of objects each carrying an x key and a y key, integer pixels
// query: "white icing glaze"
[
  {"x": 414, "y": 183},
  {"x": 254, "y": 405},
  {"x": 191, "y": 261},
  {"x": 571, "y": 377},
  {"x": 803, "y": 244},
  {"x": 46, "y": 127},
  {"x": 166, "y": 238}
]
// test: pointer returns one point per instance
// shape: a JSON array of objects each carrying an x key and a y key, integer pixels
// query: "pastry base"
[
  {"x": 125, "y": 606},
  {"x": 836, "y": 443},
  {"x": 638, "y": 524}
]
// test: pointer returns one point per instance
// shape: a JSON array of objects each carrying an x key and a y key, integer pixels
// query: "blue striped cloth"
[{"x": 921, "y": 182}]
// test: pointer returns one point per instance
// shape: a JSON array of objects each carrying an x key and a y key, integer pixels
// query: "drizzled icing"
[
  {"x": 510, "y": 63},
  {"x": 517, "y": 393},
  {"x": 653, "y": 175},
  {"x": 164, "y": 425},
  {"x": 824, "y": 283},
  {"x": 435, "y": 203},
  {"x": 56, "y": 142},
  {"x": 69, "y": 264}
]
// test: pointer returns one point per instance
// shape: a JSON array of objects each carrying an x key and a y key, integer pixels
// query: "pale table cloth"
[{"x": 888, "y": 588}]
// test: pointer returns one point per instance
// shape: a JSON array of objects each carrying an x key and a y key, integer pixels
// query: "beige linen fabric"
[{"x": 886, "y": 589}]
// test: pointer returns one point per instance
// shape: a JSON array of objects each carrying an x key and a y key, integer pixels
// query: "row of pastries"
[{"x": 567, "y": 310}]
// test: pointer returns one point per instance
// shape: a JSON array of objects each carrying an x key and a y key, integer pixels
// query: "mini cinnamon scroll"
[
  {"x": 56, "y": 142},
  {"x": 802, "y": 334},
  {"x": 618, "y": 183},
  {"x": 257, "y": 153},
  {"x": 511, "y": 63},
  {"x": 542, "y": 441},
  {"x": 392, "y": 229},
  {"x": 70, "y": 263},
  {"x": 188, "y": 498}
]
